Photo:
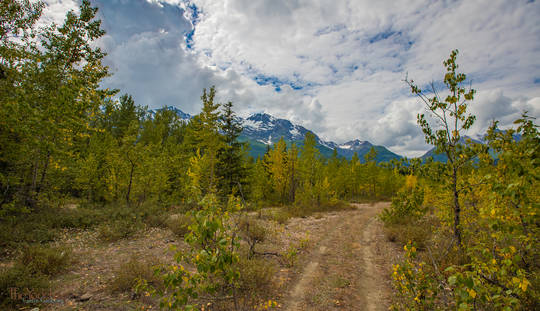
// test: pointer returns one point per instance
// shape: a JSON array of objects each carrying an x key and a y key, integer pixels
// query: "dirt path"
[{"x": 348, "y": 267}]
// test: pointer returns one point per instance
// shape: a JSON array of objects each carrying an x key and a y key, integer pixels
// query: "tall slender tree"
[
  {"x": 452, "y": 116},
  {"x": 231, "y": 169}
]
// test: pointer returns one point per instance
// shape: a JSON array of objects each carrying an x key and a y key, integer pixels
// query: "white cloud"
[
  {"x": 357, "y": 52},
  {"x": 338, "y": 65}
]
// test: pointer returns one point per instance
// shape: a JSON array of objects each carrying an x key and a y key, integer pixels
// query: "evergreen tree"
[
  {"x": 231, "y": 169},
  {"x": 202, "y": 135}
]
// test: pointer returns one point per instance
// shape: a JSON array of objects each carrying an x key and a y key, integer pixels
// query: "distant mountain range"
[
  {"x": 262, "y": 130},
  {"x": 441, "y": 157}
]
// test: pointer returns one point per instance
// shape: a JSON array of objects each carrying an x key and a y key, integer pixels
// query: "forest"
[{"x": 75, "y": 157}]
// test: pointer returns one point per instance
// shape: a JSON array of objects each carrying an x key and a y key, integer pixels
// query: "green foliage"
[
  {"x": 49, "y": 92},
  {"x": 213, "y": 253},
  {"x": 406, "y": 206},
  {"x": 493, "y": 218},
  {"x": 231, "y": 169},
  {"x": 452, "y": 119},
  {"x": 416, "y": 288},
  {"x": 291, "y": 255}
]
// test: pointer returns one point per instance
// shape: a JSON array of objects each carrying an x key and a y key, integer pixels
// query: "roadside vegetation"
[{"x": 469, "y": 226}]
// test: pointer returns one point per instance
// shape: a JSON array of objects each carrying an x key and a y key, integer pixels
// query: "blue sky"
[{"x": 332, "y": 66}]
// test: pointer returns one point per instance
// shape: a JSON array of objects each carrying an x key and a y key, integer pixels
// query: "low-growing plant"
[
  {"x": 32, "y": 271},
  {"x": 255, "y": 279},
  {"x": 213, "y": 254},
  {"x": 291, "y": 255},
  {"x": 252, "y": 232},
  {"x": 117, "y": 230},
  {"x": 46, "y": 260},
  {"x": 129, "y": 273},
  {"x": 280, "y": 215},
  {"x": 406, "y": 206},
  {"x": 20, "y": 278},
  {"x": 179, "y": 224}
]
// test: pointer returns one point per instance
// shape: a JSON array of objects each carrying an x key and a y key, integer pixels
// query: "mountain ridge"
[{"x": 261, "y": 130}]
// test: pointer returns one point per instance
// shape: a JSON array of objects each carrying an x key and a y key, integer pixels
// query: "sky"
[{"x": 333, "y": 66}]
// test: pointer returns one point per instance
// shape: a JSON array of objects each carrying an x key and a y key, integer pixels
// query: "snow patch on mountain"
[{"x": 295, "y": 132}]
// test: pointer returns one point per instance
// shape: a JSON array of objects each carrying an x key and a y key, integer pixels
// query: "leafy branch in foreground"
[{"x": 446, "y": 132}]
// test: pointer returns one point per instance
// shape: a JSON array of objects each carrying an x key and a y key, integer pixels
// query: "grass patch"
[
  {"x": 45, "y": 224},
  {"x": 117, "y": 230},
  {"x": 126, "y": 276},
  {"x": 32, "y": 271},
  {"x": 179, "y": 224},
  {"x": 256, "y": 278},
  {"x": 418, "y": 231},
  {"x": 46, "y": 260},
  {"x": 337, "y": 281}
]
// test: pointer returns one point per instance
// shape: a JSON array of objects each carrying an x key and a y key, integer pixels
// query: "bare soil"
[
  {"x": 343, "y": 262},
  {"x": 349, "y": 267}
]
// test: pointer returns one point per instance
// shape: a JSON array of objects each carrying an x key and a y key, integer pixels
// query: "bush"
[
  {"x": 406, "y": 206},
  {"x": 255, "y": 276},
  {"x": 156, "y": 221},
  {"x": 117, "y": 230},
  {"x": 20, "y": 278},
  {"x": 418, "y": 232},
  {"x": 279, "y": 215},
  {"x": 252, "y": 232},
  {"x": 126, "y": 276},
  {"x": 45, "y": 260},
  {"x": 32, "y": 270},
  {"x": 179, "y": 224}
]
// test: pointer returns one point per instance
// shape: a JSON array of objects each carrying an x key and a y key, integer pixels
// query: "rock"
[{"x": 85, "y": 297}]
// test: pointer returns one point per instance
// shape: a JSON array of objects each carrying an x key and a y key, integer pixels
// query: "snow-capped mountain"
[
  {"x": 268, "y": 129},
  {"x": 262, "y": 130},
  {"x": 182, "y": 115}
]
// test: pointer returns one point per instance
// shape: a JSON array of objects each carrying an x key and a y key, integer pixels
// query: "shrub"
[
  {"x": 31, "y": 272},
  {"x": 20, "y": 278},
  {"x": 179, "y": 224},
  {"x": 279, "y": 215},
  {"x": 45, "y": 260},
  {"x": 117, "y": 230},
  {"x": 255, "y": 276},
  {"x": 406, "y": 206},
  {"x": 252, "y": 232},
  {"x": 127, "y": 275}
]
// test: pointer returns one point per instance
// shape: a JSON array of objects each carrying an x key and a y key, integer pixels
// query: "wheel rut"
[{"x": 346, "y": 268}]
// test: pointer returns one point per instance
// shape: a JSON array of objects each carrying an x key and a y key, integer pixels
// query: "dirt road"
[{"x": 348, "y": 265}]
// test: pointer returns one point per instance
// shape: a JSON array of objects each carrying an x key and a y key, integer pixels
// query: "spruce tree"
[{"x": 231, "y": 170}]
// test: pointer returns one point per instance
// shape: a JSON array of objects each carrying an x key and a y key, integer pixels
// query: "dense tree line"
[{"x": 64, "y": 138}]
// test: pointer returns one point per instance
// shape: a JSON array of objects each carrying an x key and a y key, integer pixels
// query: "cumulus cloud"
[{"x": 333, "y": 66}]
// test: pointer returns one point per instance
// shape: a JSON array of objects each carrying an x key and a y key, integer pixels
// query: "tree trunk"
[
  {"x": 457, "y": 208},
  {"x": 130, "y": 181}
]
